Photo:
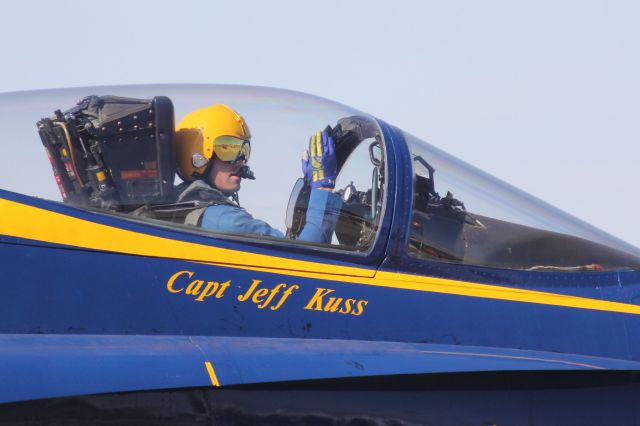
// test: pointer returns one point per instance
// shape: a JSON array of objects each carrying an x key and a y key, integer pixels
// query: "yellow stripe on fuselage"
[{"x": 24, "y": 221}]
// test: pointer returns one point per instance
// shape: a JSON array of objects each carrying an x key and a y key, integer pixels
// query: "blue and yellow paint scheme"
[{"x": 95, "y": 303}]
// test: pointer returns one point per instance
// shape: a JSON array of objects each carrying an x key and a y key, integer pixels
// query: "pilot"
[{"x": 213, "y": 146}]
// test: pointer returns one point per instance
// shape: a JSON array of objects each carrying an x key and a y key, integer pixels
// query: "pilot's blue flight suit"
[
  {"x": 226, "y": 216},
  {"x": 322, "y": 215}
]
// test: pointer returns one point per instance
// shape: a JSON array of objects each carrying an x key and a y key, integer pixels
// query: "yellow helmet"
[{"x": 216, "y": 129}]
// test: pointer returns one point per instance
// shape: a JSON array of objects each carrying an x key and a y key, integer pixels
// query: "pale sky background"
[{"x": 542, "y": 94}]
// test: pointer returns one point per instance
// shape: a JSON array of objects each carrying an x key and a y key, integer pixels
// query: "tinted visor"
[{"x": 230, "y": 149}]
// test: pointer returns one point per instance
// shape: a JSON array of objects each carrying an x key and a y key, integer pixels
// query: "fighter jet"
[{"x": 437, "y": 294}]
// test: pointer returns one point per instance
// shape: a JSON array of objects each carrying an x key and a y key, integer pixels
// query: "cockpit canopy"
[{"x": 120, "y": 160}]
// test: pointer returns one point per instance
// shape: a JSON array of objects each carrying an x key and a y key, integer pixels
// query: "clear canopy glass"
[
  {"x": 281, "y": 123},
  {"x": 462, "y": 214}
]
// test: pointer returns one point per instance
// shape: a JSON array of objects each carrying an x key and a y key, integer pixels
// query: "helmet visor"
[{"x": 230, "y": 149}]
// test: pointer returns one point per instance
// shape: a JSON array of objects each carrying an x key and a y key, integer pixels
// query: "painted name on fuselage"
[{"x": 262, "y": 295}]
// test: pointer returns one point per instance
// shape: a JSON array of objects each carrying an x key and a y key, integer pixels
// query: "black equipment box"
[{"x": 112, "y": 152}]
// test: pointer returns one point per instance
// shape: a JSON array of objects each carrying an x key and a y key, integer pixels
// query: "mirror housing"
[{"x": 297, "y": 208}]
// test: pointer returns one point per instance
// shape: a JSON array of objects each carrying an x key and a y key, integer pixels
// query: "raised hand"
[{"x": 319, "y": 165}]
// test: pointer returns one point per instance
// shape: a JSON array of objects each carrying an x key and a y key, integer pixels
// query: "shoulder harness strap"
[{"x": 190, "y": 206}]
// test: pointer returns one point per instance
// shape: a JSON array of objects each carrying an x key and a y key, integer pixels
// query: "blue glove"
[{"x": 320, "y": 168}]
